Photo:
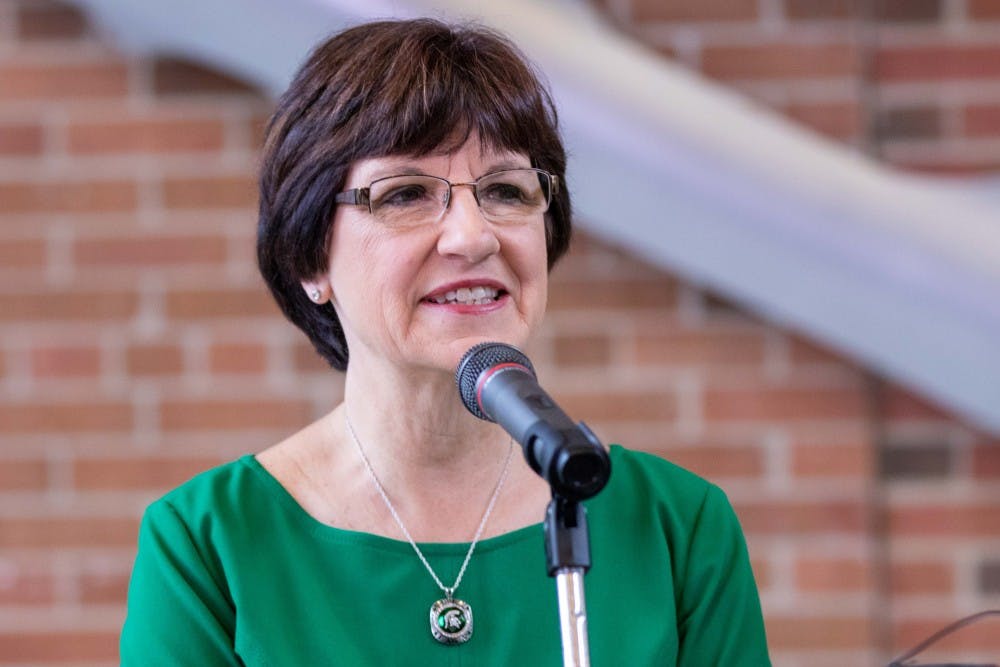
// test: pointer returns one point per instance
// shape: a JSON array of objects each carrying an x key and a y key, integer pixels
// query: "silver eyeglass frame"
[{"x": 362, "y": 196}]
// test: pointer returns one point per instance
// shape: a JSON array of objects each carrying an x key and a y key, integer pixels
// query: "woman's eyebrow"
[
  {"x": 401, "y": 169},
  {"x": 404, "y": 168},
  {"x": 503, "y": 165}
]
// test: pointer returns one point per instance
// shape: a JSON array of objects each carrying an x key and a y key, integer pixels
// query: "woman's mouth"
[{"x": 468, "y": 296}]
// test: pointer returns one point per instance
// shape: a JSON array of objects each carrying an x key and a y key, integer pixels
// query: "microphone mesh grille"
[{"x": 478, "y": 359}]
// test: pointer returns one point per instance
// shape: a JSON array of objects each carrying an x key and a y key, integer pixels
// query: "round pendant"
[{"x": 451, "y": 621}]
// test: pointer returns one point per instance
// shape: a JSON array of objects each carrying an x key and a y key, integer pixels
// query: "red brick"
[
  {"x": 921, "y": 577},
  {"x": 762, "y": 573},
  {"x": 720, "y": 308},
  {"x": 700, "y": 347},
  {"x": 835, "y": 460},
  {"x": 623, "y": 405},
  {"x": 582, "y": 350},
  {"x": 20, "y": 140},
  {"x": 153, "y": 472},
  {"x": 257, "y": 130},
  {"x": 937, "y": 63},
  {"x": 53, "y": 20},
  {"x": 219, "y": 192},
  {"x": 22, "y": 254},
  {"x": 899, "y": 403},
  {"x": 218, "y": 303},
  {"x": 238, "y": 358},
  {"x": 802, "y": 518},
  {"x": 154, "y": 359},
  {"x": 902, "y": 459},
  {"x": 780, "y": 61},
  {"x": 832, "y": 575},
  {"x": 683, "y": 10},
  {"x": 174, "y": 76},
  {"x": 58, "y": 646},
  {"x": 982, "y": 120},
  {"x": 983, "y": 9},
  {"x": 986, "y": 459},
  {"x": 103, "y": 589},
  {"x": 909, "y": 11},
  {"x": 29, "y": 475},
  {"x": 55, "y": 533},
  {"x": 820, "y": 9},
  {"x": 234, "y": 415},
  {"x": 144, "y": 251},
  {"x": 716, "y": 461},
  {"x": 979, "y": 637},
  {"x": 884, "y": 10},
  {"x": 837, "y": 120},
  {"x": 307, "y": 360},
  {"x": 783, "y": 404},
  {"x": 816, "y": 633},
  {"x": 65, "y": 81},
  {"x": 949, "y": 166},
  {"x": 146, "y": 136},
  {"x": 65, "y": 361},
  {"x": 70, "y": 418},
  {"x": 616, "y": 294},
  {"x": 806, "y": 351},
  {"x": 590, "y": 261},
  {"x": 71, "y": 305},
  {"x": 947, "y": 520},
  {"x": 27, "y": 588},
  {"x": 67, "y": 197},
  {"x": 910, "y": 122}
]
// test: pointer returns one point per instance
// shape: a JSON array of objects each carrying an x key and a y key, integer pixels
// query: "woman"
[{"x": 413, "y": 199}]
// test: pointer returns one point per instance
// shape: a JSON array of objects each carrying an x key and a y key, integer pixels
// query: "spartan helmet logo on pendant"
[{"x": 451, "y": 621}]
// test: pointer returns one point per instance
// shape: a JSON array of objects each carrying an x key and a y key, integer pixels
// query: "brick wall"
[
  {"x": 871, "y": 513},
  {"x": 916, "y": 82},
  {"x": 138, "y": 346}
]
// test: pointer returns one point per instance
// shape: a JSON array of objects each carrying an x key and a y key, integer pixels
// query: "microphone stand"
[
  {"x": 580, "y": 472},
  {"x": 567, "y": 554}
]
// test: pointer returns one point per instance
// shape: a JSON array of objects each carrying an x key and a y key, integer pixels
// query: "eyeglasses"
[{"x": 511, "y": 195}]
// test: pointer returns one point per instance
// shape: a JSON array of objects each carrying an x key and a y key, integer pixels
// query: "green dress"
[{"x": 232, "y": 571}]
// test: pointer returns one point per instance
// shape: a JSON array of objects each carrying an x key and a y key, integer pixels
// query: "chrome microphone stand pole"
[{"x": 567, "y": 551}]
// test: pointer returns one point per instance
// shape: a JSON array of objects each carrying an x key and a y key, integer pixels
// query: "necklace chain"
[{"x": 449, "y": 592}]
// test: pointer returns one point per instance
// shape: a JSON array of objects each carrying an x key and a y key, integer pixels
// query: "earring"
[{"x": 314, "y": 295}]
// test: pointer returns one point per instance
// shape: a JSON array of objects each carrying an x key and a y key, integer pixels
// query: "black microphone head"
[{"x": 480, "y": 358}]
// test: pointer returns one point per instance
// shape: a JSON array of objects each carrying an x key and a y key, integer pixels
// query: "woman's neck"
[{"x": 414, "y": 428}]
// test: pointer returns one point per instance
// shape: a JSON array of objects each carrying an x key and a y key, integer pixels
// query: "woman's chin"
[{"x": 447, "y": 357}]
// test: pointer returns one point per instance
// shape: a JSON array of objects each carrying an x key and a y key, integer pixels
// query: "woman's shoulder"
[
  {"x": 210, "y": 491},
  {"x": 645, "y": 483},
  {"x": 633, "y": 467}
]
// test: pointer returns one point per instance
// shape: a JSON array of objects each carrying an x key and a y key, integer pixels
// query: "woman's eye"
[
  {"x": 406, "y": 195},
  {"x": 505, "y": 192}
]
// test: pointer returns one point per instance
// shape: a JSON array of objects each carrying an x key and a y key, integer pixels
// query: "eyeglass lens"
[{"x": 509, "y": 195}]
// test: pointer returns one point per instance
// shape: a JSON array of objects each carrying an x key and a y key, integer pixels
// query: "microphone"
[{"x": 497, "y": 383}]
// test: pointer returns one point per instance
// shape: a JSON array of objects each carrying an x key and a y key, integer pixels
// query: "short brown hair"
[{"x": 390, "y": 88}]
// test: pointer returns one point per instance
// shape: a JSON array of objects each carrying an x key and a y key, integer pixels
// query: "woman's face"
[{"x": 414, "y": 296}]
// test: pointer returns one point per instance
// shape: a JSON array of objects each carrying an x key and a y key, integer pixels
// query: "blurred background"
[{"x": 786, "y": 278}]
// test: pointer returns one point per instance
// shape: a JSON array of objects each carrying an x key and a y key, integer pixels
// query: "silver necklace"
[{"x": 450, "y": 617}]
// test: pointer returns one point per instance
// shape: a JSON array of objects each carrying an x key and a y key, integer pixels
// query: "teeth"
[{"x": 469, "y": 296}]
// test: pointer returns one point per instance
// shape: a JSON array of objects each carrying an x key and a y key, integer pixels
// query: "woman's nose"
[{"x": 464, "y": 230}]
